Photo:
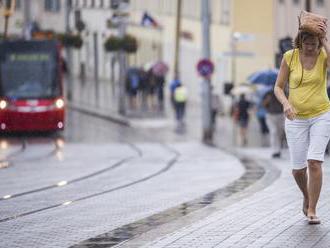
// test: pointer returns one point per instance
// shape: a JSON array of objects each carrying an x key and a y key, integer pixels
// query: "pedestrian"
[
  {"x": 180, "y": 99},
  {"x": 152, "y": 88},
  {"x": 275, "y": 122},
  {"x": 307, "y": 111},
  {"x": 65, "y": 68},
  {"x": 132, "y": 86},
  {"x": 242, "y": 117},
  {"x": 143, "y": 89},
  {"x": 261, "y": 117},
  {"x": 215, "y": 107},
  {"x": 175, "y": 83},
  {"x": 160, "y": 83}
]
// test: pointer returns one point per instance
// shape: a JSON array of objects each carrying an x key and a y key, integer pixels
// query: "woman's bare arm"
[
  {"x": 280, "y": 84},
  {"x": 327, "y": 50},
  {"x": 324, "y": 40}
]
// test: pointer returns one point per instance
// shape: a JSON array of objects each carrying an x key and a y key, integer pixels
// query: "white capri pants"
[{"x": 307, "y": 139}]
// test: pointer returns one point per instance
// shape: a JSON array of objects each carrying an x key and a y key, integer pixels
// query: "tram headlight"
[
  {"x": 59, "y": 103},
  {"x": 3, "y": 104}
]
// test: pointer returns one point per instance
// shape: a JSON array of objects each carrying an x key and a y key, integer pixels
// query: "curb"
[{"x": 100, "y": 114}]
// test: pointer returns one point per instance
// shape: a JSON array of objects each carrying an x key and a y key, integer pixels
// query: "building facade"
[
  {"x": 47, "y": 14},
  {"x": 244, "y": 34}
]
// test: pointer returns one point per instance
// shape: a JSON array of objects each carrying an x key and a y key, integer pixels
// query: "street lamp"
[
  {"x": 121, "y": 14},
  {"x": 235, "y": 37},
  {"x": 177, "y": 39}
]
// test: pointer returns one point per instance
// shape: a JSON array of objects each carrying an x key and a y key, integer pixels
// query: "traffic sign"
[
  {"x": 205, "y": 67},
  {"x": 238, "y": 36},
  {"x": 238, "y": 54}
]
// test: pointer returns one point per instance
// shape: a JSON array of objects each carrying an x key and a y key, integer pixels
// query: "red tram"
[{"x": 31, "y": 86}]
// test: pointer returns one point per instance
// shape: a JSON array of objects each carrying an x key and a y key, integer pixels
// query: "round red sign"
[{"x": 205, "y": 67}]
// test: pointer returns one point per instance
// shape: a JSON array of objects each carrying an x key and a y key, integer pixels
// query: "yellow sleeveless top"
[{"x": 309, "y": 97}]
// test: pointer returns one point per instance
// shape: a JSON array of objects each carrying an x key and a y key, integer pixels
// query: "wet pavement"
[
  {"x": 138, "y": 183},
  {"x": 134, "y": 230},
  {"x": 271, "y": 217},
  {"x": 266, "y": 213},
  {"x": 95, "y": 193}
]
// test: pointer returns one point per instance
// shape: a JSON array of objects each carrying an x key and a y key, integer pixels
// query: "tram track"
[
  {"x": 169, "y": 164},
  {"x": 56, "y": 147},
  {"x": 88, "y": 176},
  {"x": 15, "y": 156}
]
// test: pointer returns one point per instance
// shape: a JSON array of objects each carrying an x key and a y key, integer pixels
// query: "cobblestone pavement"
[
  {"x": 269, "y": 218},
  {"x": 255, "y": 217},
  {"x": 71, "y": 195},
  {"x": 66, "y": 215}
]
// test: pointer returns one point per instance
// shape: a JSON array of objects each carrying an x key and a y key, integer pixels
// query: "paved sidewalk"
[
  {"x": 269, "y": 218},
  {"x": 108, "y": 195},
  {"x": 266, "y": 214}
]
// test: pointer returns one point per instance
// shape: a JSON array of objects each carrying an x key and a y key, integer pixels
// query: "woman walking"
[{"x": 307, "y": 112}]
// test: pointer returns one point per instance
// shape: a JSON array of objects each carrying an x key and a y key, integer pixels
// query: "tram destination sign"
[{"x": 28, "y": 57}]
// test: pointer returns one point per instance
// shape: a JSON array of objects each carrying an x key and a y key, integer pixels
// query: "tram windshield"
[{"x": 29, "y": 75}]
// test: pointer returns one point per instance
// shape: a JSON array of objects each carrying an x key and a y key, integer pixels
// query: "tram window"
[{"x": 29, "y": 80}]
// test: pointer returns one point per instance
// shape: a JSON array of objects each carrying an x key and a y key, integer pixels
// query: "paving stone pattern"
[
  {"x": 199, "y": 170},
  {"x": 70, "y": 162},
  {"x": 270, "y": 218}
]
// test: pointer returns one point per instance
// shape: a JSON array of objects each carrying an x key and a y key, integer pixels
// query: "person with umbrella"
[
  {"x": 264, "y": 77},
  {"x": 132, "y": 86},
  {"x": 242, "y": 117},
  {"x": 159, "y": 71},
  {"x": 307, "y": 111}
]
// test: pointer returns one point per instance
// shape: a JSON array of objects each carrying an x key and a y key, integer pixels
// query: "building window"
[
  {"x": 320, "y": 3},
  {"x": 101, "y": 3},
  {"x": 190, "y": 9},
  {"x": 296, "y": 2},
  {"x": 113, "y": 4},
  {"x": 18, "y": 5},
  {"x": 93, "y": 3},
  {"x": 225, "y": 12},
  {"x": 281, "y": 1},
  {"x": 52, "y": 5}
]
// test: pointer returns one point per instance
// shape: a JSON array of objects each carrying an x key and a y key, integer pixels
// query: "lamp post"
[
  {"x": 119, "y": 8},
  {"x": 177, "y": 39},
  {"x": 68, "y": 8},
  {"x": 235, "y": 38},
  {"x": 27, "y": 20},
  {"x": 206, "y": 84}
]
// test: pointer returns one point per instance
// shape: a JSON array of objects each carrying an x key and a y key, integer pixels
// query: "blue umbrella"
[
  {"x": 265, "y": 77},
  {"x": 133, "y": 71}
]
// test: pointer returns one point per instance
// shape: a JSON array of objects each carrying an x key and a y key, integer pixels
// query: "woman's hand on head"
[
  {"x": 289, "y": 111},
  {"x": 323, "y": 27}
]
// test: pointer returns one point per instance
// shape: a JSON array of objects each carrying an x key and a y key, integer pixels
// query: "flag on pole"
[{"x": 148, "y": 20}]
